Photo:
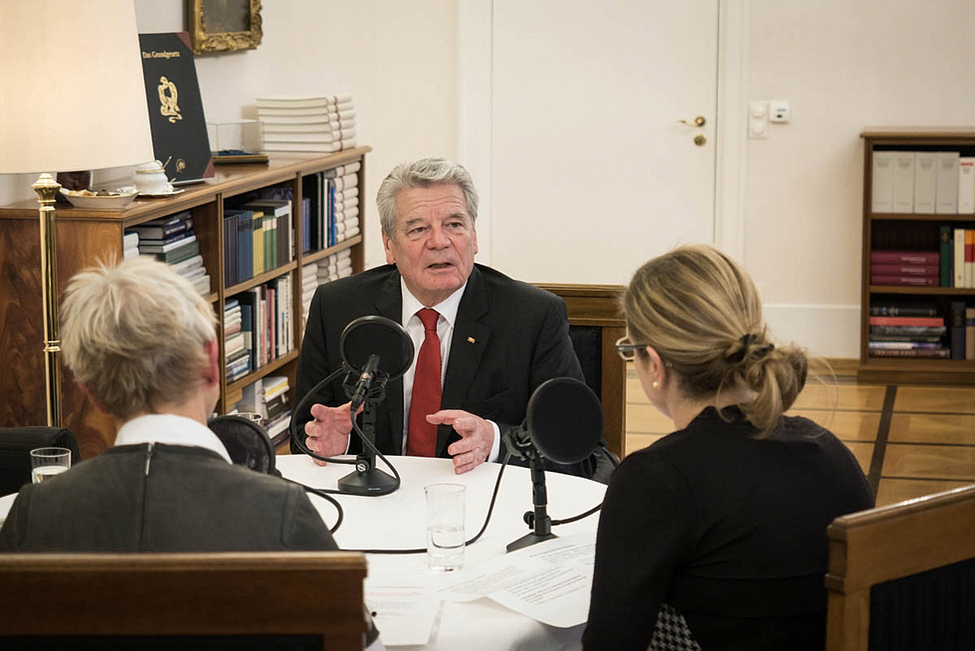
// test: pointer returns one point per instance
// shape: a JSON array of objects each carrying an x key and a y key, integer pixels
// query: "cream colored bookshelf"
[{"x": 88, "y": 236}]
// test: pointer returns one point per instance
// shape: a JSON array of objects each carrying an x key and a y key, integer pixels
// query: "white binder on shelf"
[
  {"x": 925, "y": 181},
  {"x": 946, "y": 195},
  {"x": 882, "y": 181},
  {"x": 966, "y": 185},
  {"x": 903, "y": 196}
]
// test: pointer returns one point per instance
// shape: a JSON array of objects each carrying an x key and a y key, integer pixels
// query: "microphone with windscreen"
[
  {"x": 563, "y": 423},
  {"x": 374, "y": 351}
]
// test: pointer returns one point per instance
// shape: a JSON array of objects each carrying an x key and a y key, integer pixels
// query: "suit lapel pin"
[{"x": 470, "y": 340}]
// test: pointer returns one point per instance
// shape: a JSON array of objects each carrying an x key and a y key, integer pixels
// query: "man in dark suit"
[
  {"x": 493, "y": 340},
  {"x": 141, "y": 343}
]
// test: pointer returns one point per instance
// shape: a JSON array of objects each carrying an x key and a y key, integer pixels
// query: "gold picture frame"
[{"x": 224, "y": 25}]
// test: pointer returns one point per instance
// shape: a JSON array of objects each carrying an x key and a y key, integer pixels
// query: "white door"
[{"x": 591, "y": 171}]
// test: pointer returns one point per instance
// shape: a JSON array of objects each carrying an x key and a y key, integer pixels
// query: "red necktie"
[{"x": 421, "y": 440}]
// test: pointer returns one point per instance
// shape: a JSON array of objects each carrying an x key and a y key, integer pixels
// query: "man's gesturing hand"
[
  {"x": 328, "y": 433},
  {"x": 476, "y": 437}
]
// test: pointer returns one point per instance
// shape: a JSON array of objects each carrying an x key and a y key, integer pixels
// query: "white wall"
[
  {"x": 397, "y": 58},
  {"x": 843, "y": 66}
]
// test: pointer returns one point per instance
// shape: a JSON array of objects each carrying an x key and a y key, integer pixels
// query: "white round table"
[{"x": 397, "y": 520}]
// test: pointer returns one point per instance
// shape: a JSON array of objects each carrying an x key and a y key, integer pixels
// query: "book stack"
[
  {"x": 309, "y": 283},
  {"x": 343, "y": 209},
  {"x": 276, "y": 404},
  {"x": 322, "y": 124},
  {"x": 172, "y": 240},
  {"x": 236, "y": 355},
  {"x": 920, "y": 268},
  {"x": 338, "y": 265},
  {"x": 268, "y": 397},
  {"x": 130, "y": 245},
  {"x": 902, "y": 330}
]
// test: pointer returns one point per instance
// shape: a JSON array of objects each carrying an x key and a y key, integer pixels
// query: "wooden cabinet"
[
  {"x": 87, "y": 236},
  {"x": 911, "y": 232}
]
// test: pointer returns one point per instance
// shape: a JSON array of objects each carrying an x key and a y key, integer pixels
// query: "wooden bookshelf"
[
  {"x": 910, "y": 231},
  {"x": 87, "y": 236}
]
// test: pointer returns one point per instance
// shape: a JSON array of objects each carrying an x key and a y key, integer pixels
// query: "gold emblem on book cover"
[{"x": 168, "y": 99}]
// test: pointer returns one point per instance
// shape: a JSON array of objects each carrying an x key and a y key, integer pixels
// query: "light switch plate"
[{"x": 758, "y": 120}]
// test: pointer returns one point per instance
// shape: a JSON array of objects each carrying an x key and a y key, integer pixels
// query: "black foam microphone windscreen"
[
  {"x": 377, "y": 335},
  {"x": 565, "y": 420}
]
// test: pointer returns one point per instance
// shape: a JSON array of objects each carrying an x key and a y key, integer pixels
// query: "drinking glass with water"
[
  {"x": 445, "y": 526},
  {"x": 47, "y": 462}
]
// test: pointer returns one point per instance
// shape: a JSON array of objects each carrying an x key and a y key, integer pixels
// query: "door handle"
[{"x": 699, "y": 121}]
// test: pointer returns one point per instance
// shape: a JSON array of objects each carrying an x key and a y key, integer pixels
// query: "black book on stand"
[{"x": 179, "y": 131}]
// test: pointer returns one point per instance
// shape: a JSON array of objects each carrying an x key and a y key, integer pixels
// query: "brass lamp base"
[{"x": 47, "y": 190}]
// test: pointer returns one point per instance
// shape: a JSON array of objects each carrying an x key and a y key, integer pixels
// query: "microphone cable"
[
  {"x": 477, "y": 536},
  {"x": 323, "y": 493}
]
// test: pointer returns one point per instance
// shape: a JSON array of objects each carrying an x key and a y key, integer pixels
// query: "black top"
[
  {"x": 728, "y": 529},
  {"x": 162, "y": 498}
]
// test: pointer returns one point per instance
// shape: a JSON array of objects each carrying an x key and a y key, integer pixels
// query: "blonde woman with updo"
[{"x": 714, "y": 537}]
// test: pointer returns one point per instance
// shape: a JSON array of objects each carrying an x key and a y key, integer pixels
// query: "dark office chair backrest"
[
  {"x": 902, "y": 577},
  {"x": 595, "y": 323},
  {"x": 15, "y": 446},
  {"x": 254, "y": 600}
]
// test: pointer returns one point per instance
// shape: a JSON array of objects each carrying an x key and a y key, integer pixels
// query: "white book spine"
[
  {"x": 946, "y": 195},
  {"x": 883, "y": 181},
  {"x": 966, "y": 185},
  {"x": 925, "y": 181},
  {"x": 959, "y": 258},
  {"x": 903, "y": 182}
]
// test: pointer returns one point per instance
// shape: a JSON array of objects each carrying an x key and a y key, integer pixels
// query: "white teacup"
[{"x": 150, "y": 178}]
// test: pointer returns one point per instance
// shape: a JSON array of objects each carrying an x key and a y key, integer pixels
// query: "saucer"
[{"x": 171, "y": 193}]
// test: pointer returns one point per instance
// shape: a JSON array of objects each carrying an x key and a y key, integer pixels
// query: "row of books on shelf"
[
  {"x": 172, "y": 240},
  {"x": 257, "y": 238},
  {"x": 953, "y": 265},
  {"x": 324, "y": 123},
  {"x": 267, "y": 396},
  {"x": 923, "y": 182},
  {"x": 257, "y": 327},
  {"x": 918, "y": 330},
  {"x": 330, "y": 207}
]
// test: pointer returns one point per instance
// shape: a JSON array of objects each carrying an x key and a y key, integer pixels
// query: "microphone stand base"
[
  {"x": 528, "y": 540},
  {"x": 369, "y": 482}
]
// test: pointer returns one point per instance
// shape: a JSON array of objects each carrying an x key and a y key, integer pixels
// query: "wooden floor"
[{"x": 909, "y": 440}]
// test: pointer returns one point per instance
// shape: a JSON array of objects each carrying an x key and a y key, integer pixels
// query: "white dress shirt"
[
  {"x": 171, "y": 430},
  {"x": 447, "y": 309}
]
